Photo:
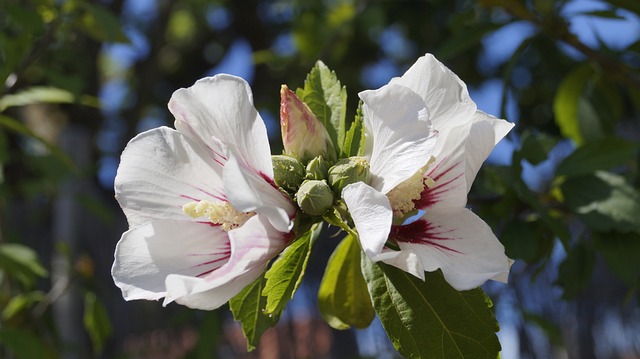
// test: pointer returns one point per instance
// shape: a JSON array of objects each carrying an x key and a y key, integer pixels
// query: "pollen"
[
  {"x": 402, "y": 198},
  {"x": 219, "y": 213}
]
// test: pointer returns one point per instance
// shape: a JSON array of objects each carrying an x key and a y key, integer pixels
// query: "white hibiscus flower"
[
  {"x": 204, "y": 213},
  {"x": 426, "y": 140}
]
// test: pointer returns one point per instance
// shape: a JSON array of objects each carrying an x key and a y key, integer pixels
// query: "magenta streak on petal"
[
  {"x": 218, "y": 157},
  {"x": 422, "y": 232},
  {"x": 431, "y": 196},
  {"x": 223, "y": 254}
]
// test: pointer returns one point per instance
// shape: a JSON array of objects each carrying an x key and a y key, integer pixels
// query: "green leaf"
[
  {"x": 285, "y": 275},
  {"x": 18, "y": 127},
  {"x": 23, "y": 344},
  {"x": 354, "y": 138},
  {"x": 566, "y": 101},
  {"x": 101, "y": 24},
  {"x": 21, "y": 262},
  {"x": 327, "y": 99},
  {"x": 36, "y": 94},
  {"x": 343, "y": 298},
  {"x": 603, "y": 201},
  {"x": 575, "y": 271},
  {"x": 464, "y": 39},
  {"x": 621, "y": 252},
  {"x": 20, "y": 302},
  {"x": 535, "y": 147},
  {"x": 248, "y": 307},
  {"x": 601, "y": 155},
  {"x": 96, "y": 322},
  {"x": 520, "y": 240},
  {"x": 430, "y": 319}
]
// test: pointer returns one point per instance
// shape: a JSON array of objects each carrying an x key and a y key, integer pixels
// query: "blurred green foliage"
[{"x": 54, "y": 61}]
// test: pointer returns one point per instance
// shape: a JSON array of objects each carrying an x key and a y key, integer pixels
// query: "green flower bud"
[
  {"x": 347, "y": 171},
  {"x": 314, "y": 197},
  {"x": 317, "y": 169},
  {"x": 288, "y": 173}
]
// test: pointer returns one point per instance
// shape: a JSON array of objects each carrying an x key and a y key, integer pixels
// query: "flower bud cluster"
[{"x": 317, "y": 185}]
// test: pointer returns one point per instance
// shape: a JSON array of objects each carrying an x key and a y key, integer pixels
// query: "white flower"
[
  {"x": 426, "y": 140},
  {"x": 204, "y": 214}
]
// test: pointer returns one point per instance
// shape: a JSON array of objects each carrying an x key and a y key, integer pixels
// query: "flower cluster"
[{"x": 209, "y": 207}]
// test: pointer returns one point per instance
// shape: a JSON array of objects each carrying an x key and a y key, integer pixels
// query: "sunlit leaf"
[
  {"x": 354, "y": 138},
  {"x": 343, "y": 297},
  {"x": 285, "y": 275},
  {"x": 430, "y": 319},
  {"x": 21, "y": 262},
  {"x": 327, "y": 99},
  {"x": 248, "y": 307},
  {"x": 20, "y": 302},
  {"x": 566, "y": 101}
]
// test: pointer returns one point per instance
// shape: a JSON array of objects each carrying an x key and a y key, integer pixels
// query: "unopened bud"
[
  {"x": 317, "y": 169},
  {"x": 347, "y": 171},
  {"x": 288, "y": 173},
  {"x": 303, "y": 135},
  {"x": 314, "y": 197}
]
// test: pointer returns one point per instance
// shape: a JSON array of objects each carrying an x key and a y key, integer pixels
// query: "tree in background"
[{"x": 81, "y": 78}]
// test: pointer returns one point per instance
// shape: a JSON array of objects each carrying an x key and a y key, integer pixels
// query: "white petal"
[
  {"x": 486, "y": 132},
  {"x": 444, "y": 93},
  {"x": 406, "y": 260},
  {"x": 459, "y": 243},
  {"x": 253, "y": 245},
  {"x": 160, "y": 171},
  {"x": 399, "y": 139},
  {"x": 248, "y": 191},
  {"x": 372, "y": 215},
  {"x": 220, "y": 109},
  {"x": 448, "y": 171},
  {"x": 147, "y": 254}
]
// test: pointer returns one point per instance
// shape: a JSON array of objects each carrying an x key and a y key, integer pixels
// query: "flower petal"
[
  {"x": 486, "y": 131},
  {"x": 248, "y": 191},
  {"x": 161, "y": 170},
  {"x": 459, "y": 243},
  {"x": 147, "y": 254},
  {"x": 448, "y": 171},
  {"x": 398, "y": 139},
  {"x": 220, "y": 109},
  {"x": 444, "y": 93},
  {"x": 252, "y": 246},
  {"x": 372, "y": 216},
  {"x": 406, "y": 260}
]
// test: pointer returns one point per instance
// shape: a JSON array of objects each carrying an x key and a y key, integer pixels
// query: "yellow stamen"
[
  {"x": 402, "y": 197},
  {"x": 221, "y": 213}
]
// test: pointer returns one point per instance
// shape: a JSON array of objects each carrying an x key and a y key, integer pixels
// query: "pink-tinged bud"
[{"x": 303, "y": 135}]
